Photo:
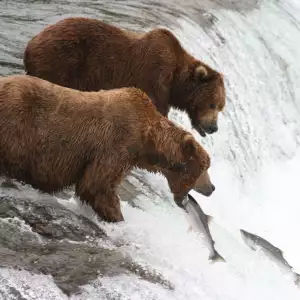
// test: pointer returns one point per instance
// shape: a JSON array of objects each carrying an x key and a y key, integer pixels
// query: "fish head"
[{"x": 249, "y": 239}]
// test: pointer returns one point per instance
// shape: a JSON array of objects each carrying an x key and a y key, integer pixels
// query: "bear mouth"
[{"x": 201, "y": 130}]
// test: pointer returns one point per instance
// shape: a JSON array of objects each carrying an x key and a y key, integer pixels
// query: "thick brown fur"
[
  {"x": 52, "y": 137},
  {"x": 89, "y": 55}
]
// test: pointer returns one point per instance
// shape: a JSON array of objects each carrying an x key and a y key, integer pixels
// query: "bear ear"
[
  {"x": 189, "y": 146},
  {"x": 201, "y": 72}
]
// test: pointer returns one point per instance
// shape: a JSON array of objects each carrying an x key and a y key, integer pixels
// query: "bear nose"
[
  {"x": 213, "y": 187},
  {"x": 213, "y": 128},
  {"x": 207, "y": 190}
]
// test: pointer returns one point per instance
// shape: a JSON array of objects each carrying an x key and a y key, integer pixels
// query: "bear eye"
[
  {"x": 178, "y": 167},
  {"x": 212, "y": 106}
]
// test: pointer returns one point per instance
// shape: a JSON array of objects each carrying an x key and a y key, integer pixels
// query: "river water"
[{"x": 255, "y": 154}]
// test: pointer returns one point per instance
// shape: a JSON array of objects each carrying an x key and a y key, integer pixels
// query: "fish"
[
  {"x": 200, "y": 223},
  {"x": 256, "y": 242}
]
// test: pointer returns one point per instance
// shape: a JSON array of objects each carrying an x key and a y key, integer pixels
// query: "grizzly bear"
[
  {"x": 89, "y": 55},
  {"x": 52, "y": 137}
]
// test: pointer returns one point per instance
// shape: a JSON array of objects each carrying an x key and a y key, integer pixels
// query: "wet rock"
[
  {"x": 49, "y": 218},
  {"x": 149, "y": 275},
  {"x": 42, "y": 236}
]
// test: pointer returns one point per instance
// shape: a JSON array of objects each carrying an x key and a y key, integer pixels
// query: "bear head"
[
  {"x": 191, "y": 173},
  {"x": 200, "y": 91}
]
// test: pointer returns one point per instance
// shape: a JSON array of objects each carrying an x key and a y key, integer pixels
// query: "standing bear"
[
  {"x": 52, "y": 137},
  {"x": 89, "y": 55}
]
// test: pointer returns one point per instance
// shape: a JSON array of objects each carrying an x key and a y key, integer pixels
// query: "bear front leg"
[
  {"x": 107, "y": 206},
  {"x": 161, "y": 102},
  {"x": 105, "y": 203},
  {"x": 97, "y": 188},
  {"x": 162, "y": 107},
  {"x": 161, "y": 95}
]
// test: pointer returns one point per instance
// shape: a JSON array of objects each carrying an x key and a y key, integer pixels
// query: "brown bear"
[
  {"x": 52, "y": 137},
  {"x": 89, "y": 55}
]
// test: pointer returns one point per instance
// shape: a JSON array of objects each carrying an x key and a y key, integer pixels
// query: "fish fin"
[
  {"x": 216, "y": 257},
  {"x": 209, "y": 219}
]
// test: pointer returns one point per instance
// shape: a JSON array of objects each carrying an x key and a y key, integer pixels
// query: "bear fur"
[
  {"x": 52, "y": 137},
  {"x": 89, "y": 55}
]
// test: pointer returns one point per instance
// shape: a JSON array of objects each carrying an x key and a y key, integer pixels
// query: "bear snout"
[
  {"x": 210, "y": 128},
  {"x": 206, "y": 190}
]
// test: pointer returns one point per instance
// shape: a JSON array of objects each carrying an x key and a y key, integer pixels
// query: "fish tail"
[{"x": 216, "y": 257}]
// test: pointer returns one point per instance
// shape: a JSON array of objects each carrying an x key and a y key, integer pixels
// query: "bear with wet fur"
[
  {"x": 52, "y": 137},
  {"x": 89, "y": 55}
]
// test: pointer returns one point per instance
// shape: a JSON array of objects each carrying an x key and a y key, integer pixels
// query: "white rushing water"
[{"x": 255, "y": 168}]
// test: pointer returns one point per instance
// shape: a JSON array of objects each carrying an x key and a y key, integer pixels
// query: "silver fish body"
[
  {"x": 256, "y": 242},
  {"x": 200, "y": 223}
]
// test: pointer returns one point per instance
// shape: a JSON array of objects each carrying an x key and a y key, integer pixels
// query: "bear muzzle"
[
  {"x": 206, "y": 190},
  {"x": 207, "y": 128}
]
